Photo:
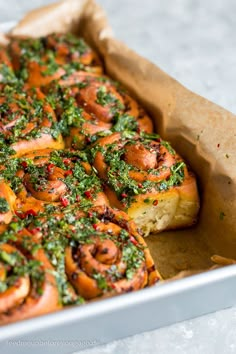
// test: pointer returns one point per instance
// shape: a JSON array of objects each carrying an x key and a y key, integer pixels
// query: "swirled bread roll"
[
  {"x": 38, "y": 61},
  {"x": 144, "y": 176},
  {"x": 56, "y": 177},
  {"x": 104, "y": 253},
  {"x": 87, "y": 104},
  {"x": 26, "y": 121},
  {"x": 27, "y": 284}
]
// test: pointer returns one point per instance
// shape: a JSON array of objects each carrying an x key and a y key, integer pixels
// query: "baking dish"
[
  {"x": 169, "y": 301},
  {"x": 106, "y": 320}
]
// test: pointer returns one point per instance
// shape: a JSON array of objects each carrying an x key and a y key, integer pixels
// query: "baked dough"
[{"x": 145, "y": 177}]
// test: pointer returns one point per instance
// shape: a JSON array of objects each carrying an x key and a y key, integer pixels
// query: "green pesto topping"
[
  {"x": 122, "y": 122},
  {"x": 167, "y": 145},
  {"x": 101, "y": 281},
  {"x": 7, "y": 75},
  {"x": 21, "y": 110},
  {"x": 9, "y": 173},
  {"x": 153, "y": 136},
  {"x": 104, "y": 98},
  {"x": 81, "y": 186},
  {"x": 75, "y": 44},
  {"x": 68, "y": 113},
  {"x": 176, "y": 177},
  {"x": 42, "y": 51},
  {"x": 17, "y": 265},
  {"x": 118, "y": 170},
  {"x": 4, "y": 206},
  {"x": 64, "y": 101},
  {"x": 133, "y": 257},
  {"x": 70, "y": 117}
]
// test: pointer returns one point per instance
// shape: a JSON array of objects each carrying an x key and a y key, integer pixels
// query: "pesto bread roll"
[
  {"x": 99, "y": 252},
  {"x": 38, "y": 61},
  {"x": 144, "y": 176},
  {"x": 27, "y": 282},
  {"x": 27, "y": 121},
  {"x": 50, "y": 177},
  {"x": 88, "y": 105}
]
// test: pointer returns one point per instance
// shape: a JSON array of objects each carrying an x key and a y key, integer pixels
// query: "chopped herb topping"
[
  {"x": 4, "y": 206},
  {"x": 7, "y": 75},
  {"x": 124, "y": 122},
  {"x": 17, "y": 265},
  {"x": 24, "y": 115},
  {"x": 45, "y": 52},
  {"x": 118, "y": 170}
]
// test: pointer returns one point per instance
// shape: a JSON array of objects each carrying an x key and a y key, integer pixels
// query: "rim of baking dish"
[{"x": 106, "y": 306}]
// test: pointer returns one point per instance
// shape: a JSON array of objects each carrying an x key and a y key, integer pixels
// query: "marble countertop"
[{"x": 195, "y": 42}]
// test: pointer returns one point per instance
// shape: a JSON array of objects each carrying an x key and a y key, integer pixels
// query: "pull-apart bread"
[{"x": 83, "y": 177}]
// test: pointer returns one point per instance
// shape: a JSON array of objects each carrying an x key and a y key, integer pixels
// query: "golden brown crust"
[
  {"x": 149, "y": 187},
  {"x": 105, "y": 254}
]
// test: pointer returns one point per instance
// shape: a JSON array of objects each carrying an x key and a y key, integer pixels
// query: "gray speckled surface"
[{"x": 195, "y": 42}]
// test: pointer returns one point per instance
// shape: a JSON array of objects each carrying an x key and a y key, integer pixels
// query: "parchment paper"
[{"x": 202, "y": 132}]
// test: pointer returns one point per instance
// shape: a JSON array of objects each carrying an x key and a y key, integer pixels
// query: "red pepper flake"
[
  {"x": 35, "y": 230},
  {"x": 88, "y": 139},
  {"x": 124, "y": 195},
  {"x": 95, "y": 226},
  {"x": 66, "y": 161},
  {"x": 90, "y": 214},
  {"x": 133, "y": 240},
  {"x": 155, "y": 202},
  {"x": 30, "y": 212},
  {"x": 113, "y": 286},
  {"x": 24, "y": 164},
  {"x": 68, "y": 173},
  {"x": 138, "y": 130},
  {"x": 88, "y": 194},
  {"x": 218, "y": 145},
  {"x": 78, "y": 198},
  {"x": 20, "y": 214},
  {"x": 50, "y": 167},
  {"x": 140, "y": 185},
  {"x": 64, "y": 201}
]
